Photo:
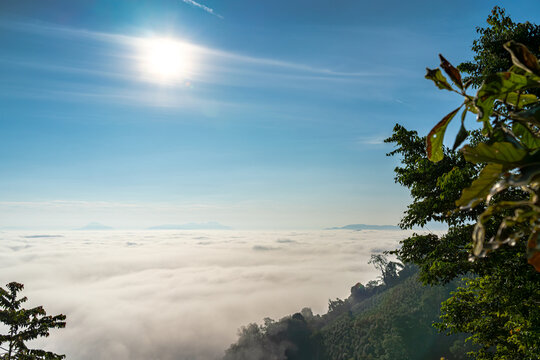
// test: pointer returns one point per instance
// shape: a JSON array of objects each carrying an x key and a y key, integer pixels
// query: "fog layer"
[{"x": 180, "y": 294}]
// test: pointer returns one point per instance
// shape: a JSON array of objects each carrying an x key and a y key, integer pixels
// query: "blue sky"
[{"x": 277, "y": 124}]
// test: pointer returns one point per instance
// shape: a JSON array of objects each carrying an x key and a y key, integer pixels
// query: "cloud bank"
[{"x": 179, "y": 294}]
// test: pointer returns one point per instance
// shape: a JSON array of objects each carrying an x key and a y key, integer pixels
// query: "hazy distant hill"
[
  {"x": 365, "y": 227},
  {"x": 95, "y": 226},
  {"x": 211, "y": 225}
]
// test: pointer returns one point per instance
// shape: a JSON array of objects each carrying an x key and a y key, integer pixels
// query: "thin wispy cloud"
[
  {"x": 72, "y": 205},
  {"x": 372, "y": 140},
  {"x": 44, "y": 29},
  {"x": 123, "y": 80},
  {"x": 204, "y": 7}
]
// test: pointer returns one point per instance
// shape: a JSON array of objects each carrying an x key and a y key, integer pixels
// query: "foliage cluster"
[
  {"x": 490, "y": 55},
  {"x": 494, "y": 181},
  {"x": 24, "y": 325},
  {"x": 509, "y": 154}
]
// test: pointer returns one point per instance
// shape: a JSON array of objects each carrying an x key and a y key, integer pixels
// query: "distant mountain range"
[
  {"x": 365, "y": 227},
  {"x": 95, "y": 226},
  {"x": 191, "y": 226}
]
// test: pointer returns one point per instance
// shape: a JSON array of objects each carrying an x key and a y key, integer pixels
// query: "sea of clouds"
[{"x": 141, "y": 295}]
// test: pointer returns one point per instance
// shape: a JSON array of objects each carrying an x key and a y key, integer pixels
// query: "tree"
[
  {"x": 24, "y": 325},
  {"x": 499, "y": 302},
  {"x": 389, "y": 269},
  {"x": 490, "y": 55},
  {"x": 510, "y": 113},
  {"x": 509, "y": 110}
]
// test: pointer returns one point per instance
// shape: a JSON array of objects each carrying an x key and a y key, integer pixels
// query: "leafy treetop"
[
  {"x": 509, "y": 111},
  {"x": 490, "y": 56},
  {"x": 24, "y": 325}
]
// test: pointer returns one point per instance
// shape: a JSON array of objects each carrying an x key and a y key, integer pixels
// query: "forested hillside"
[{"x": 387, "y": 319}]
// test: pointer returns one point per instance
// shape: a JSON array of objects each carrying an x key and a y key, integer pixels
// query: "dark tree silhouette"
[{"x": 24, "y": 325}]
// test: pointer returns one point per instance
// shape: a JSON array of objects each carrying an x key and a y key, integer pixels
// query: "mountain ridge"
[{"x": 359, "y": 227}]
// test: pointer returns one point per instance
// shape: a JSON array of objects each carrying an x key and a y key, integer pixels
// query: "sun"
[{"x": 165, "y": 60}]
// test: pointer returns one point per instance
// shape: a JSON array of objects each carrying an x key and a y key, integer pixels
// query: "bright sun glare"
[{"x": 165, "y": 59}]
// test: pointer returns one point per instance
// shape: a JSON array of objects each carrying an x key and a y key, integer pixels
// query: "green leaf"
[
  {"x": 524, "y": 99},
  {"x": 480, "y": 188},
  {"x": 470, "y": 106},
  {"x": 438, "y": 78},
  {"x": 531, "y": 115},
  {"x": 451, "y": 71},
  {"x": 497, "y": 86},
  {"x": 463, "y": 133},
  {"x": 525, "y": 135},
  {"x": 434, "y": 140},
  {"x": 517, "y": 70},
  {"x": 500, "y": 152},
  {"x": 522, "y": 57}
]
